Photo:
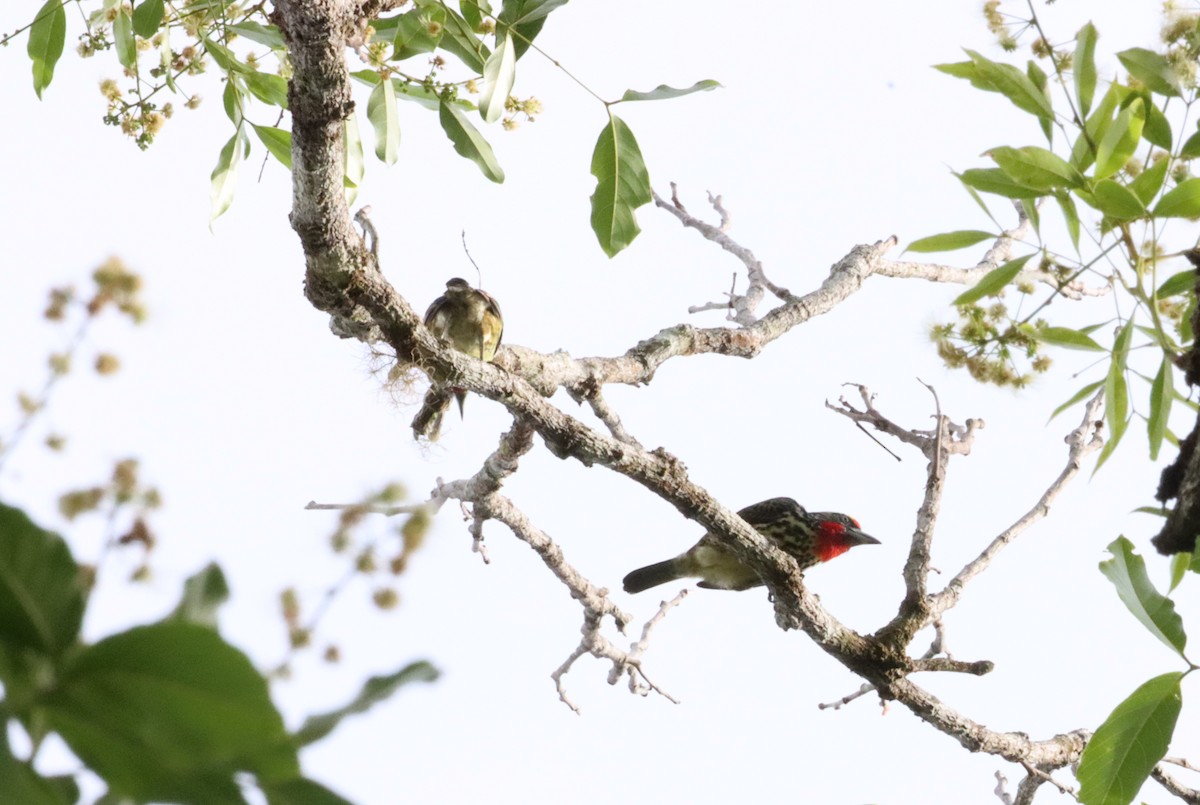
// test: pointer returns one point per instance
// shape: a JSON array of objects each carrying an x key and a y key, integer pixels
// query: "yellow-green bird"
[{"x": 469, "y": 320}]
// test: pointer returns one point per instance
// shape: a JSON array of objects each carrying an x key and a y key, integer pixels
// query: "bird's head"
[
  {"x": 457, "y": 285},
  {"x": 838, "y": 533}
]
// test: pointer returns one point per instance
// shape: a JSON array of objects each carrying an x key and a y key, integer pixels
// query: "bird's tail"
[
  {"x": 461, "y": 396},
  {"x": 653, "y": 575},
  {"x": 428, "y": 421}
]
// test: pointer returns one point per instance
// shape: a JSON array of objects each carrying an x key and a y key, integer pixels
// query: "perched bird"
[
  {"x": 809, "y": 537},
  {"x": 469, "y": 320}
]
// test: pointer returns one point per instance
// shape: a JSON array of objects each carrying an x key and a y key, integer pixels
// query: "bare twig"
[
  {"x": 1177, "y": 789},
  {"x": 1082, "y": 441}
]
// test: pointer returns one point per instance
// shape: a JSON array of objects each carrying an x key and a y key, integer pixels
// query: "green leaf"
[
  {"x": 381, "y": 111},
  {"x": 231, "y": 99},
  {"x": 994, "y": 180},
  {"x": 419, "y": 31},
  {"x": 126, "y": 45},
  {"x": 1084, "y": 65},
  {"x": 41, "y": 593},
  {"x": 203, "y": 594},
  {"x": 993, "y": 282},
  {"x": 1157, "y": 130},
  {"x": 460, "y": 39},
  {"x": 1120, "y": 140},
  {"x": 1151, "y": 69},
  {"x": 1083, "y": 152},
  {"x": 1117, "y": 201},
  {"x": 499, "y": 74},
  {"x": 473, "y": 12},
  {"x": 1078, "y": 397},
  {"x": 1191, "y": 147},
  {"x": 268, "y": 88},
  {"x": 525, "y": 19},
  {"x": 662, "y": 92},
  {"x": 170, "y": 712},
  {"x": 468, "y": 142},
  {"x": 949, "y": 241},
  {"x": 20, "y": 783},
  {"x": 224, "y": 177},
  {"x": 377, "y": 689},
  {"x": 1180, "y": 563},
  {"x": 1126, "y": 747},
  {"x": 1127, "y": 571},
  {"x": 278, "y": 143},
  {"x": 1147, "y": 183},
  {"x": 1039, "y": 79},
  {"x": 1176, "y": 284},
  {"x": 224, "y": 58},
  {"x": 46, "y": 37},
  {"x": 353, "y": 163},
  {"x": 1116, "y": 394},
  {"x": 1014, "y": 85},
  {"x": 1181, "y": 201},
  {"x": 967, "y": 70},
  {"x": 1070, "y": 216},
  {"x": 147, "y": 18},
  {"x": 262, "y": 34},
  {"x": 1162, "y": 394},
  {"x": 1036, "y": 167},
  {"x": 1066, "y": 337},
  {"x": 301, "y": 791},
  {"x": 622, "y": 185}
]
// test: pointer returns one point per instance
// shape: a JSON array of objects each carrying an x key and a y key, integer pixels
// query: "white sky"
[{"x": 831, "y": 130}]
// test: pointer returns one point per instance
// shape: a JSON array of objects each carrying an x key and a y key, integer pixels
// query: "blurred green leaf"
[
  {"x": 1116, "y": 395},
  {"x": 499, "y": 74},
  {"x": 468, "y": 142},
  {"x": 20, "y": 784},
  {"x": 1179, "y": 283},
  {"x": 1120, "y": 140},
  {"x": 147, "y": 17},
  {"x": 1084, "y": 65},
  {"x": 418, "y": 31},
  {"x": 268, "y": 88},
  {"x": 203, "y": 594},
  {"x": 1078, "y": 397},
  {"x": 949, "y": 241},
  {"x": 1191, "y": 147},
  {"x": 382, "y": 112},
  {"x": 460, "y": 38},
  {"x": 1012, "y": 84},
  {"x": 1125, "y": 748},
  {"x": 41, "y": 594},
  {"x": 1151, "y": 69},
  {"x": 1162, "y": 394},
  {"x": 1180, "y": 563},
  {"x": 663, "y": 92},
  {"x": 278, "y": 143},
  {"x": 1147, "y": 183},
  {"x": 994, "y": 180},
  {"x": 170, "y": 712},
  {"x": 262, "y": 34},
  {"x": 1036, "y": 167},
  {"x": 1066, "y": 337},
  {"x": 47, "y": 35},
  {"x": 525, "y": 19},
  {"x": 1083, "y": 152},
  {"x": 224, "y": 176},
  {"x": 1157, "y": 130},
  {"x": 1181, "y": 201},
  {"x": 301, "y": 791},
  {"x": 967, "y": 70},
  {"x": 993, "y": 282},
  {"x": 1070, "y": 216},
  {"x": 1117, "y": 201},
  {"x": 622, "y": 185},
  {"x": 376, "y": 690},
  {"x": 473, "y": 12},
  {"x": 1127, "y": 571},
  {"x": 126, "y": 45}
]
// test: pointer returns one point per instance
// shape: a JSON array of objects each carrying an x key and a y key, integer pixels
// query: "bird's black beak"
[{"x": 856, "y": 537}]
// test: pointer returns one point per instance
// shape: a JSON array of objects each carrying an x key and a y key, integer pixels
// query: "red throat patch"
[{"x": 829, "y": 540}]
